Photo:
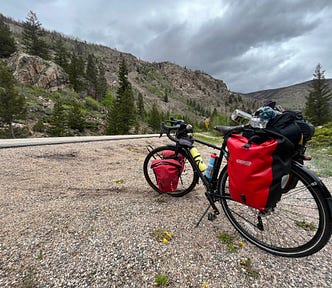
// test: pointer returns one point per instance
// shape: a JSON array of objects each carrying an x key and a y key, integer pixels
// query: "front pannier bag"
[
  {"x": 168, "y": 170},
  {"x": 255, "y": 169}
]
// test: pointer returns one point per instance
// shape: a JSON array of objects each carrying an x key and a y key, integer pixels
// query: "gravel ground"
[{"x": 82, "y": 215}]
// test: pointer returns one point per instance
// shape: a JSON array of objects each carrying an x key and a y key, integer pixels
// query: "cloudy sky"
[{"x": 250, "y": 44}]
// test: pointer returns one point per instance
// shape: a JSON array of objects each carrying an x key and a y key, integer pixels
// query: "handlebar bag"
[
  {"x": 168, "y": 170},
  {"x": 255, "y": 169}
]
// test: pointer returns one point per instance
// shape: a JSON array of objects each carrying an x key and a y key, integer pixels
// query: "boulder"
[{"x": 33, "y": 70}]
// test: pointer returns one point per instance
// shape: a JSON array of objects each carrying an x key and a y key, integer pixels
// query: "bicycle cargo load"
[
  {"x": 168, "y": 170},
  {"x": 292, "y": 125},
  {"x": 256, "y": 166}
]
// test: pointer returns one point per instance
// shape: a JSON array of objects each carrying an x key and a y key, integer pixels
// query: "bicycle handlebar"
[{"x": 177, "y": 125}]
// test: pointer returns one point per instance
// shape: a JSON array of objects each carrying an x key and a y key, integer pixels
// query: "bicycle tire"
[
  {"x": 188, "y": 178},
  {"x": 298, "y": 226}
]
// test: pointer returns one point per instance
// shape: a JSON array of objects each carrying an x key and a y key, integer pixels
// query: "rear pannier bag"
[
  {"x": 255, "y": 170},
  {"x": 168, "y": 170}
]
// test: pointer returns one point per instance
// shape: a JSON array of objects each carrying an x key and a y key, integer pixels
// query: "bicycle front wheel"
[
  {"x": 187, "y": 180},
  {"x": 298, "y": 226}
]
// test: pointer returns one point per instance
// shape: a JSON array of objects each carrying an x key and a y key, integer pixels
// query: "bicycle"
[{"x": 298, "y": 226}]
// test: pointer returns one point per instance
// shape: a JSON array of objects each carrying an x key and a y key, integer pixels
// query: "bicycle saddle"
[{"x": 223, "y": 130}]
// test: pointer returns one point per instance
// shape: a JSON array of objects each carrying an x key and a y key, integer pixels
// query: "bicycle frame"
[{"x": 210, "y": 185}]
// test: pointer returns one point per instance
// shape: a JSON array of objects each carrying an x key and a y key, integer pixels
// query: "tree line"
[{"x": 86, "y": 75}]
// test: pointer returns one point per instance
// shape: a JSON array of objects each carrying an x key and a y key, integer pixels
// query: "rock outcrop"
[{"x": 33, "y": 70}]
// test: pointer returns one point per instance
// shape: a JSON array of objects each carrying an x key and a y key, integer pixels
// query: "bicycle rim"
[
  {"x": 187, "y": 180},
  {"x": 298, "y": 226}
]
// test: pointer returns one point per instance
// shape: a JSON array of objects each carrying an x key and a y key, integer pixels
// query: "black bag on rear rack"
[{"x": 292, "y": 125}]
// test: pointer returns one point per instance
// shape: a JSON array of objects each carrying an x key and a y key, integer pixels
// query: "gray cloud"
[{"x": 250, "y": 44}]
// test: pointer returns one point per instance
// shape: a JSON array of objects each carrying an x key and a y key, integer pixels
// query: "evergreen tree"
[
  {"x": 76, "y": 72},
  {"x": 101, "y": 85},
  {"x": 317, "y": 108},
  {"x": 61, "y": 56},
  {"x": 140, "y": 106},
  {"x": 58, "y": 125},
  {"x": 155, "y": 118},
  {"x": 7, "y": 42},
  {"x": 166, "y": 95},
  {"x": 12, "y": 104},
  {"x": 91, "y": 69},
  {"x": 122, "y": 114},
  {"x": 75, "y": 116},
  {"x": 32, "y": 37}
]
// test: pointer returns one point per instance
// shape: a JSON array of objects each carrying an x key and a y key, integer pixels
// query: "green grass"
[
  {"x": 308, "y": 226},
  {"x": 228, "y": 240},
  {"x": 321, "y": 162},
  {"x": 161, "y": 280},
  {"x": 209, "y": 137}
]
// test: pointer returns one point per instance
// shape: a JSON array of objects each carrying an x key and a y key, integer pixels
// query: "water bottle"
[
  {"x": 209, "y": 169},
  {"x": 198, "y": 159},
  {"x": 238, "y": 114}
]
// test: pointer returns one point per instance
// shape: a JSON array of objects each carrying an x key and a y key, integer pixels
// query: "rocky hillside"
[
  {"x": 153, "y": 80},
  {"x": 291, "y": 97}
]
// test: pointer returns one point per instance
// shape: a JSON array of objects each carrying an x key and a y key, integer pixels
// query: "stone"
[{"x": 35, "y": 71}]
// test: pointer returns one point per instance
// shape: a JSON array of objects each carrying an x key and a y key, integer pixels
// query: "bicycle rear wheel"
[
  {"x": 298, "y": 226},
  {"x": 187, "y": 180}
]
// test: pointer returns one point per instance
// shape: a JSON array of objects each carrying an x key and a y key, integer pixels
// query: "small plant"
[
  {"x": 306, "y": 225},
  {"x": 228, "y": 240},
  {"x": 162, "y": 235},
  {"x": 161, "y": 280},
  {"x": 247, "y": 264},
  {"x": 118, "y": 181},
  {"x": 40, "y": 255},
  {"x": 29, "y": 279}
]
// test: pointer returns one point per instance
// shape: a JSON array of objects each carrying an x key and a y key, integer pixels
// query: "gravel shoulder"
[{"x": 82, "y": 215}]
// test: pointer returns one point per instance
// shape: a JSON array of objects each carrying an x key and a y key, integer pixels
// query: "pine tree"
[
  {"x": 32, "y": 37},
  {"x": 12, "y": 104},
  {"x": 91, "y": 69},
  {"x": 122, "y": 114},
  {"x": 58, "y": 123},
  {"x": 75, "y": 116},
  {"x": 7, "y": 42},
  {"x": 140, "y": 106},
  {"x": 101, "y": 85},
  {"x": 155, "y": 118},
  {"x": 317, "y": 108},
  {"x": 76, "y": 72},
  {"x": 61, "y": 56}
]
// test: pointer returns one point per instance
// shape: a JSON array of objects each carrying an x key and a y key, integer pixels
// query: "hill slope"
[{"x": 291, "y": 97}]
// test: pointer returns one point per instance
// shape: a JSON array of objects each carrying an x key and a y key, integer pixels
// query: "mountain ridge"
[{"x": 297, "y": 92}]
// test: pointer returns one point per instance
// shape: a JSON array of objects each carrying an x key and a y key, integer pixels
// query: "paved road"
[{"x": 23, "y": 142}]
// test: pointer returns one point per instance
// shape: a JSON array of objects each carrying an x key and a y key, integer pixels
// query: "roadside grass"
[{"x": 321, "y": 162}]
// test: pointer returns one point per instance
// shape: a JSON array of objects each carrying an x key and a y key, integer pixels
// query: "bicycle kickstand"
[
  {"x": 205, "y": 212},
  {"x": 211, "y": 215}
]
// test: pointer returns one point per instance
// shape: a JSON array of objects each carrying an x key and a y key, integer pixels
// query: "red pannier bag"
[
  {"x": 168, "y": 170},
  {"x": 255, "y": 170}
]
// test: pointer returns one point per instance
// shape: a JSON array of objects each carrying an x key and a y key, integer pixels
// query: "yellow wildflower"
[{"x": 169, "y": 234}]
